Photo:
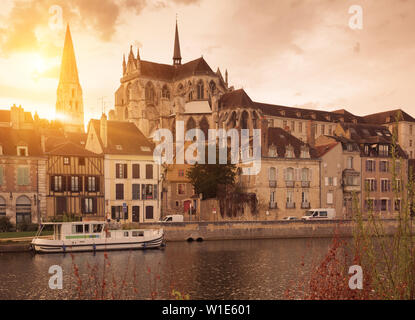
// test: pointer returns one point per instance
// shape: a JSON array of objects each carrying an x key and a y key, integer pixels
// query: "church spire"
[
  {"x": 69, "y": 102},
  {"x": 69, "y": 71},
  {"x": 177, "y": 58}
]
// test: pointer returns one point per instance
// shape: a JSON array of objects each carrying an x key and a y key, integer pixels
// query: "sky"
[{"x": 301, "y": 53}]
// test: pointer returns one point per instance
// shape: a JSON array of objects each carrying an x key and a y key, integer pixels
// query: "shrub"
[{"x": 5, "y": 224}]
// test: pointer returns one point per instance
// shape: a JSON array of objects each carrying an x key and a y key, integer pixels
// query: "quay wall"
[{"x": 234, "y": 230}]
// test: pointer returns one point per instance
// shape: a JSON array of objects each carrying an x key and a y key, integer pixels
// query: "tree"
[{"x": 206, "y": 178}]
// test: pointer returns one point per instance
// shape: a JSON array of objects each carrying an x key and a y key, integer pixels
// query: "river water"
[{"x": 232, "y": 269}]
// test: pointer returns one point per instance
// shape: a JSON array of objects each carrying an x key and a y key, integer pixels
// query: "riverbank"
[
  {"x": 245, "y": 230},
  {"x": 13, "y": 247}
]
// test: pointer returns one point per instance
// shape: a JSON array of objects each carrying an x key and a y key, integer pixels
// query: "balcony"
[
  {"x": 273, "y": 205},
  {"x": 272, "y": 183},
  {"x": 290, "y": 205},
  {"x": 351, "y": 181},
  {"x": 289, "y": 183},
  {"x": 305, "y": 184},
  {"x": 305, "y": 205}
]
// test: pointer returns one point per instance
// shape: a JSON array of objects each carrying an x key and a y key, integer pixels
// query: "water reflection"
[{"x": 240, "y": 269}]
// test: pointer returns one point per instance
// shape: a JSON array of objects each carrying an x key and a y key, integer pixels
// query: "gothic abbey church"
[{"x": 154, "y": 95}]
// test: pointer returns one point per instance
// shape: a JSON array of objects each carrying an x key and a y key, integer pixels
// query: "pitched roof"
[
  {"x": 281, "y": 139},
  {"x": 55, "y": 138},
  {"x": 172, "y": 73},
  {"x": 124, "y": 138},
  {"x": 11, "y": 138},
  {"x": 389, "y": 117},
  {"x": 323, "y": 149},
  {"x": 239, "y": 98},
  {"x": 72, "y": 149},
  {"x": 366, "y": 132}
]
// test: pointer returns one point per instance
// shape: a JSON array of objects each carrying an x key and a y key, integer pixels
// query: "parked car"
[
  {"x": 173, "y": 218},
  {"x": 290, "y": 218},
  {"x": 319, "y": 214}
]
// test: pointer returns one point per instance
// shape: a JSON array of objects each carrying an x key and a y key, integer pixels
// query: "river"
[{"x": 231, "y": 269}]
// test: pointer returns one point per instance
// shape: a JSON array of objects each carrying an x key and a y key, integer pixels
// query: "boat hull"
[{"x": 58, "y": 246}]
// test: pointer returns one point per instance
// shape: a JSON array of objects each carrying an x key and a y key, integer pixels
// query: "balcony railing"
[
  {"x": 272, "y": 183},
  {"x": 305, "y": 205},
  {"x": 305, "y": 184},
  {"x": 273, "y": 205},
  {"x": 289, "y": 183},
  {"x": 290, "y": 205}
]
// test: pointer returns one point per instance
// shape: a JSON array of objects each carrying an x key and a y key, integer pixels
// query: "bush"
[{"x": 5, "y": 224}]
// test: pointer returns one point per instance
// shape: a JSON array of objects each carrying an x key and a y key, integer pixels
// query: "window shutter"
[
  {"x": 285, "y": 175},
  {"x": 335, "y": 181},
  {"x": 326, "y": 181},
  {"x": 64, "y": 183},
  {"x": 83, "y": 200},
  {"x": 81, "y": 183},
  {"x": 374, "y": 165},
  {"x": 155, "y": 192},
  {"x": 113, "y": 213},
  {"x": 126, "y": 214},
  {"x": 376, "y": 184},
  {"x": 125, "y": 171},
  {"x": 143, "y": 191},
  {"x": 97, "y": 184},
  {"x": 1, "y": 176},
  {"x": 94, "y": 205},
  {"x": 70, "y": 183},
  {"x": 117, "y": 171},
  {"x": 52, "y": 183},
  {"x": 389, "y": 205},
  {"x": 310, "y": 175},
  {"x": 19, "y": 176}
]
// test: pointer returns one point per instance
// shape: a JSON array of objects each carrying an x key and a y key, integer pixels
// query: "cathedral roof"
[{"x": 168, "y": 72}]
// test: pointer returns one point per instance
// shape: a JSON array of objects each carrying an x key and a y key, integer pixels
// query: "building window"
[
  {"x": 165, "y": 93},
  {"x": 149, "y": 171},
  {"x": 57, "y": 183},
  {"x": 383, "y": 204},
  {"x": 117, "y": 213},
  {"x": 330, "y": 197},
  {"x": 289, "y": 174},
  {"x": 136, "y": 171},
  {"x": 385, "y": 185},
  {"x": 181, "y": 188},
  {"x": 397, "y": 205},
  {"x": 75, "y": 184},
  {"x": 2, "y": 206},
  {"x": 398, "y": 185},
  {"x": 305, "y": 172},
  {"x": 330, "y": 130},
  {"x": 272, "y": 174},
  {"x": 383, "y": 166},
  {"x": 350, "y": 163},
  {"x": 410, "y": 143},
  {"x": 289, "y": 152},
  {"x": 200, "y": 90},
  {"x": 383, "y": 150},
  {"x": 293, "y": 126},
  {"x": 371, "y": 184},
  {"x": 121, "y": 171},
  {"x": 89, "y": 205},
  {"x": 60, "y": 208},
  {"x": 119, "y": 191},
  {"x": 370, "y": 165},
  {"x": 81, "y": 161},
  {"x": 181, "y": 173},
  {"x": 93, "y": 184},
  {"x": 290, "y": 196},
  {"x": 23, "y": 176},
  {"x": 136, "y": 192},
  {"x": 149, "y": 212},
  {"x": 149, "y": 191},
  {"x": 66, "y": 161},
  {"x": 410, "y": 129},
  {"x": 300, "y": 127},
  {"x": 22, "y": 151},
  {"x": 322, "y": 129}
]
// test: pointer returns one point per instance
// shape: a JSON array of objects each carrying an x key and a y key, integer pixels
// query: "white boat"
[{"x": 95, "y": 236}]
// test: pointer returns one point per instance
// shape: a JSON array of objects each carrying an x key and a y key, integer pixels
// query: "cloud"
[{"x": 28, "y": 18}]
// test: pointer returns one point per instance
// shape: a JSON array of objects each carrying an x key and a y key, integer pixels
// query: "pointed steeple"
[
  {"x": 69, "y": 70},
  {"x": 177, "y": 57},
  {"x": 69, "y": 102},
  {"x": 124, "y": 65}
]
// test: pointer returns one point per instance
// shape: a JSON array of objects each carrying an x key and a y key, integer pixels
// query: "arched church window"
[
  {"x": 150, "y": 94},
  {"x": 200, "y": 90},
  {"x": 191, "y": 124},
  {"x": 212, "y": 87},
  {"x": 165, "y": 92},
  {"x": 204, "y": 126},
  {"x": 244, "y": 120}
]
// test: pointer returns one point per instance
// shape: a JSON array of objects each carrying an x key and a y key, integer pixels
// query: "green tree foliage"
[{"x": 206, "y": 178}]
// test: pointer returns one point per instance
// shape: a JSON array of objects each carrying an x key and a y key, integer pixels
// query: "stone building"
[
  {"x": 400, "y": 124},
  {"x": 340, "y": 177},
  {"x": 22, "y": 175},
  {"x": 154, "y": 95},
  {"x": 132, "y": 178},
  {"x": 289, "y": 181},
  {"x": 382, "y": 189}
]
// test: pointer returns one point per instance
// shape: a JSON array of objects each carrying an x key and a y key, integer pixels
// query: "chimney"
[{"x": 103, "y": 130}]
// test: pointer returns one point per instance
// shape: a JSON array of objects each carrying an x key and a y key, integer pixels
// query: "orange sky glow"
[{"x": 285, "y": 52}]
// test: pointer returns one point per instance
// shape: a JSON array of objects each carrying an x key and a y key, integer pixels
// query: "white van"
[
  {"x": 173, "y": 218},
  {"x": 319, "y": 214}
]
